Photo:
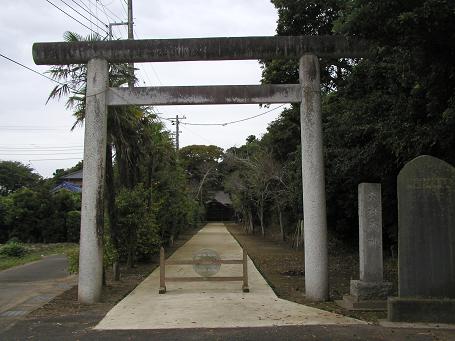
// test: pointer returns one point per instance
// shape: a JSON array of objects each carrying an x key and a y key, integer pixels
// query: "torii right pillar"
[{"x": 313, "y": 181}]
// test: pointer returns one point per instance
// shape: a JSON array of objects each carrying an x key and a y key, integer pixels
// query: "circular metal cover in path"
[{"x": 206, "y": 255}]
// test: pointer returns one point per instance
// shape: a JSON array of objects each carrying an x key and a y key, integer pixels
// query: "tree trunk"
[
  {"x": 280, "y": 217},
  {"x": 261, "y": 219},
  {"x": 104, "y": 276},
  {"x": 298, "y": 236},
  {"x": 116, "y": 270},
  {"x": 250, "y": 221},
  {"x": 111, "y": 211}
]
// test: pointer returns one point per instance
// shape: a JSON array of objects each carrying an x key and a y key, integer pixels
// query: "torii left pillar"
[
  {"x": 313, "y": 181},
  {"x": 92, "y": 207}
]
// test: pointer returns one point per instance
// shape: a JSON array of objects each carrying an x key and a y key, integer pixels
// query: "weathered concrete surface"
[
  {"x": 214, "y": 304},
  {"x": 27, "y": 287},
  {"x": 426, "y": 227},
  {"x": 313, "y": 181},
  {"x": 92, "y": 207},
  {"x": 219, "y": 94},
  {"x": 168, "y": 50}
]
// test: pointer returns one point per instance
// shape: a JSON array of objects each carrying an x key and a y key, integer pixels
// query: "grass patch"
[{"x": 36, "y": 252}]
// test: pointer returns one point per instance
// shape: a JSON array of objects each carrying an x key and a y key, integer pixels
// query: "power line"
[
  {"x": 47, "y": 77},
  {"x": 198, "y": 135},
  {"x": 209, "y": 124},
  {"x": 233, "y": 122},
  {"x": 28, "y": 129},
  {"x": 83, "y": 16},
  {"x": 151, "y": 65},
  {"x": 109, "y": 10},
  {"x": 123, "y": 6},
  {"x": 61, "y": 10},
  {"x": 88, "y": 12},
  {"x": 30, "y": 126},
  {"x": 186, "y": 123},
  {"x": 111, "y": 21},
  {"x": 39, "y": 154},
  {"x": 70, "y": 158},
  {"x": 34, "y": 71},
  {"x": 37, "y": 146},
  {"x": 2, "y": 149}
]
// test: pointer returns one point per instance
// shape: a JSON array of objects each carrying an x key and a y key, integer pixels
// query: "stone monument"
[
  {"x": 426, "y": 243},
  {"x": 370, "y": 292}
]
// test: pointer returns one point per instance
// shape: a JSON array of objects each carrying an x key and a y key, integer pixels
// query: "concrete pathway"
[
  {"x": 27, "y": 287},
  {"x": 211, "y": 304}
]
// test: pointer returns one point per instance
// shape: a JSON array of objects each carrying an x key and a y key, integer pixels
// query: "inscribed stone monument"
[
  {"x": 426, "y": 242},
  {"x": 370, "y": 292}
]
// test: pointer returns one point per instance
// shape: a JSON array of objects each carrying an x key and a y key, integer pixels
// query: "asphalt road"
[
  {"x": 60, "y": 329},
  {"x": 27, "y": 287},
  {"x": 51, "y": 267}
]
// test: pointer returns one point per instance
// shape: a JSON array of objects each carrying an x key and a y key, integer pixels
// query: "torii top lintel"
[{"x": 193, "y": 49}]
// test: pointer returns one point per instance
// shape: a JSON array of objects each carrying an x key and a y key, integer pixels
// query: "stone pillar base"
[
  {"x": 350, "y": 302},
  {"x": 366, "y": 291},
  {"x": 366, "y": 296},
  {"x": 420, "y": 310}
]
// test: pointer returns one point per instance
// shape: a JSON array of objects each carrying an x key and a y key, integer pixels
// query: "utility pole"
[
  {"x": 130, "y": 36},
  {"x": 115, "y": 24},
  {"x": 177, "y": 131}
]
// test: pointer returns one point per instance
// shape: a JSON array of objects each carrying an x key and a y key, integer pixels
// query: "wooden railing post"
[
  {"x": 162, "y": 272},
  {"x": 245, "y": 287},
  {"x": 164, "y": 279}
]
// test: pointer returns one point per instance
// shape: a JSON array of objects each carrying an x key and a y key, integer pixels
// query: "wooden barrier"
[{"x": 164, "y": 279}]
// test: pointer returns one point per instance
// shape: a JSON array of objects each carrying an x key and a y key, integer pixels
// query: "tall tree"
[
  {"x": 378, "y": 112},
  {"x": 307, "y": 17},
  {"x": 15, "y": 175},
  {"x": 201, "y": 164}
]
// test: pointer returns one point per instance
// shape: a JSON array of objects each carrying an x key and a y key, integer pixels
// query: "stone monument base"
[
  {"x": 420, "y": 310},
  {"x": 350, "y": 302},
  {"x": 366, "y": 296},
  {"x": 370, "y": 290}
]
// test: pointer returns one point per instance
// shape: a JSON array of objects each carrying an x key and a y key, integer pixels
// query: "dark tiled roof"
[
  {"x": 73, "y": 175},
  {"x": 221, "y": 197},
  {"x": 68, "y": 186}
]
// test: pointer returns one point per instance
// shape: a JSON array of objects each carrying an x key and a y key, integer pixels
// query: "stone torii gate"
[{"x": 98, "y": 54}]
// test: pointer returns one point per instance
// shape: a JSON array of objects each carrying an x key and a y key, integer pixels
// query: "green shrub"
[
  {"x": 73, "y": 226},
  {"x": 140, "y": 231},
  {"x": 109, "y": 252},
  {"x": 73, "y": 261},
  {"x": 13, "y": 249},
  {"x": 14, "y": 240}
]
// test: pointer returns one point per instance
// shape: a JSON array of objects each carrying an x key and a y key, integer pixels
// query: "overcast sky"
[{"x": 39, "y": 135}]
